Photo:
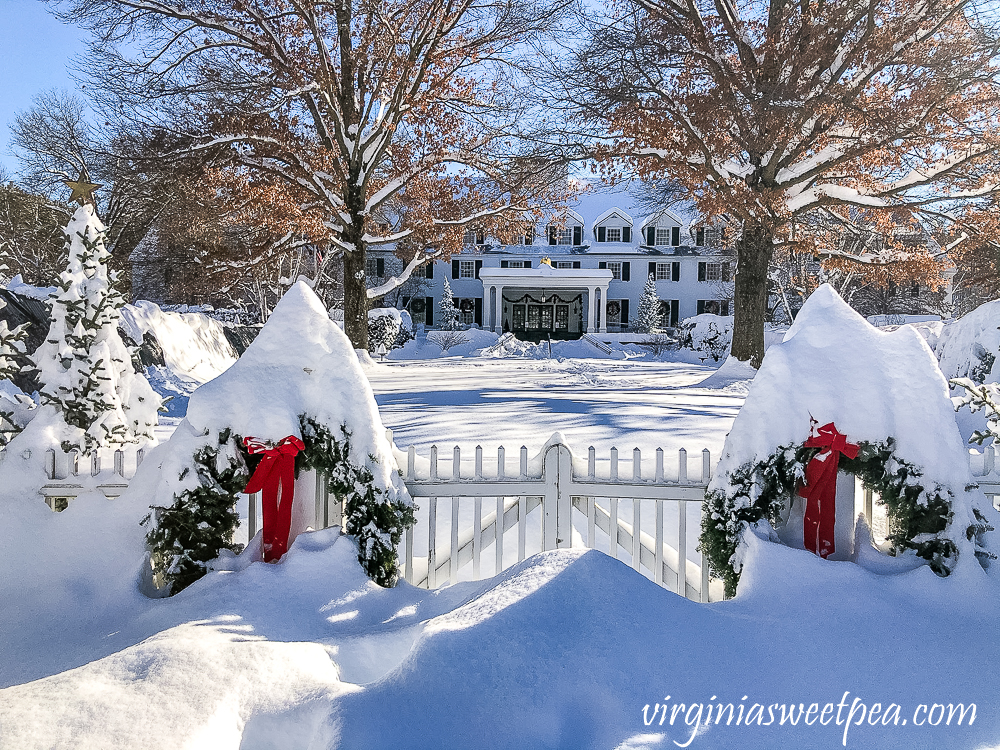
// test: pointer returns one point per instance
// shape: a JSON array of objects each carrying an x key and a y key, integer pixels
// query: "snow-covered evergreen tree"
[
  {"x": 11, "y": 358},
  {"x": 648, "y": 315},
  {"x": 447, "y": 311},
  {"x": 84, "y": 366}
]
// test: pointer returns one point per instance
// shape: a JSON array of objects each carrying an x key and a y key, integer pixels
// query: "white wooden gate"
[{"x": 638, "y": 517}]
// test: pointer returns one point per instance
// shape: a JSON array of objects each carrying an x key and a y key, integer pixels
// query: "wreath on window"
[
  {"x": 919, "y": 515},
  {"x": 417, "y": 305},
  {"x": 466, "y": 305},
  {"x": 614, "y": 308}
]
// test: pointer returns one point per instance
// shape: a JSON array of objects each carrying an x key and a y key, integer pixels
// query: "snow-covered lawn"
[{"x": 515, "y": 402}]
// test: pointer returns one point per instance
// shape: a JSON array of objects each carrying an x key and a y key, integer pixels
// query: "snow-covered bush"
[
  {"x": 707, "y": 334},
  {"x": 448, "y": 339},
  {"x": 985, "y": 396},
  {"x": 833, "y": 367},
  {"x": 299, "y": 377},
  {"x": 384, "y": 326},
  {"x": 968, "y": 347},
  {"x": 85, "y": 368}
]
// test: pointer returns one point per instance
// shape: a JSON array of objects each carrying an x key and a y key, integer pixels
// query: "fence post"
[
  {"x": 550, "y": 500},
  {"x": 564, "y": 490}
]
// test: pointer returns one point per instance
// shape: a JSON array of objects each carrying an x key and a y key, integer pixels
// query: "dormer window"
[
  {"x": 474, "y": 237},
  {"x": 661, "y": 236},
  {"x": 567, "y": 235}
]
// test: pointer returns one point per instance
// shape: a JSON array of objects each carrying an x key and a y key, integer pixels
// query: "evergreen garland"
[
  {"x": 918, "y": 516},
  {"x": 375, "y": 521},
  {"x": 188, "y": 535}
]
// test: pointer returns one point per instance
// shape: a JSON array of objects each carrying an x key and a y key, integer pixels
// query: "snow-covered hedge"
[{"x": 709, "y": 335}]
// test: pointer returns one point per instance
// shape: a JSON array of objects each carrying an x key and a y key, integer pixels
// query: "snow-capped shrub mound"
[
  {"x": 300, "y": 378},
  {"x": 384, "y": 327},
  {"x": 884, "y": 392},
  {"x": 709, "y": 335},
  {"x": 968, "y": 348}
]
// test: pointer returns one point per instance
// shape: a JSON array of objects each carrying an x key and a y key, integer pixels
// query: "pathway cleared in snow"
[{"x": 514, "y": 402}]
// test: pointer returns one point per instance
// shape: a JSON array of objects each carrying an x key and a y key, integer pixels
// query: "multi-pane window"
[
  {"x": 713, "y": 272},
  {"x": 663, "y": 272},
  {"x": 564, "y": 236},
  {"x": 616, "y": 270},
  {"x": 474, "y": 237},
  {"x": 614, "y": 234},
  {"x": 663, "y": 235},
  {"x": 563, "y": 264},
  {"x": 467, "y": 269},
  {"x": 519, "y": 264},
  {"x": 371, "y": 267}
]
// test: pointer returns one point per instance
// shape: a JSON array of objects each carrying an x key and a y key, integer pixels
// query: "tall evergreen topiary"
[
  {"x": 84, "y": 366},
  {"x": 447, "y": 311},
  {"x": 648, "y": 315}
]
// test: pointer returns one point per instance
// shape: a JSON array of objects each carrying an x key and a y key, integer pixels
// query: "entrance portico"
[{"x": 545, "y": 300}]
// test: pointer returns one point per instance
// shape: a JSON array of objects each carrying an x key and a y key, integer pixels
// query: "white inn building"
[{"x": 582, "y": 273}]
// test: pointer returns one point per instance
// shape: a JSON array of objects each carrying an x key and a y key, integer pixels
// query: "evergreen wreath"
[
  {"x": 188, "y": 535},
  {"x": 918, "y": 516},
  {"x": 202, "y": 521}
]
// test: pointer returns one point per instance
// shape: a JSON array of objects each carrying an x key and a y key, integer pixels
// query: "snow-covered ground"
[
  {"x": 514, "y": 402},
  {"x": 569, "y": 649}
]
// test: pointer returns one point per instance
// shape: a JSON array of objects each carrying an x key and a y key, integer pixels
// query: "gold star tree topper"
[{"x": 83, "y": 190}]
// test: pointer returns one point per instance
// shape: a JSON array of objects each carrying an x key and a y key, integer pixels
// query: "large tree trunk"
[
  {"x": 356, "y": 297},
  {"x": 753, "y": 256}
]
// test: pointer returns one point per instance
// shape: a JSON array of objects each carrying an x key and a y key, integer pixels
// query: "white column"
[
  {"x": 604, "y": 308},
  {"x": 591, "y": 308},
  {"x": 498, "y": 325}
]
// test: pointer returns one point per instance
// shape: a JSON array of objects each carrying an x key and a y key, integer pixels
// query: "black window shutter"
[
  {"x": 429, "y": 310},
  {"x": 479, "y": 265},
  {"x": 602, "y": 234},
  {"x": 701, "y": 273},
  {"x": 701, "y": 307},
  {"x": 552, "y": 235},
  {"x": 652, "y": 270},
  {"x": 527, "y": 263},
  {"x": 725, "y": 307},
  {"x": 430, "y": 270},
  {"x": 576, "y": 264},
  {"x": 650, "y": 236},
  {"x": 380, "y": 267},
  {"x": 626, "y": 271},
  {"x": 454, "y": 269},
  {"x": 624, "y": 315},
  {"x": 674, "y": 310},
  {"x": 577, "y": 235},
  {"x": 675, "y": 271},
  {"x": 626, "y": 234},
  {"x": 725, "y": 272},
  {"x": 602, "y": 264},
  {"x": 479, "y": 312},
  {"x": 406, "y": 302},
  {"x": 699, "y": 236},
  {"x": 504, "y": 264},
  {"x": 675, "y": 236}
]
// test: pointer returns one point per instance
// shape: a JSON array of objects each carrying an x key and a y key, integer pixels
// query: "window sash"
[
  {"x": 616, "y": 270},
  {"x": 564, "y": 236},
  {"x": 663, "y": 235},
  {"x": 614, "y": 234},
  {"x": 713, "y": 272},
  {"x": 663, "y": 272},
  {"x": 467, "y": 269},
  {"x": 563, "y": 264}
]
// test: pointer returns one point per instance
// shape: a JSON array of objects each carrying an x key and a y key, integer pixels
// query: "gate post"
[
  {"x": 550, "y": 501},
  {"x": 564, "y": 512}
]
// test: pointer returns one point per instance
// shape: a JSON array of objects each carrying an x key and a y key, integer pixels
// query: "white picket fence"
[
  {"x": 636, "y": 511},
  {"x": 640, "y": 516}
]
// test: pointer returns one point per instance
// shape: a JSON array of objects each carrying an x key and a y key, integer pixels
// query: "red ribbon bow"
[
  {"x": 275, "y": 475},
  {"x": 820, "y": 490}
]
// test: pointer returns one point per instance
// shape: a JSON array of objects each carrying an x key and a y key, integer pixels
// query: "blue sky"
[{"x": 34, "y": 56}]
